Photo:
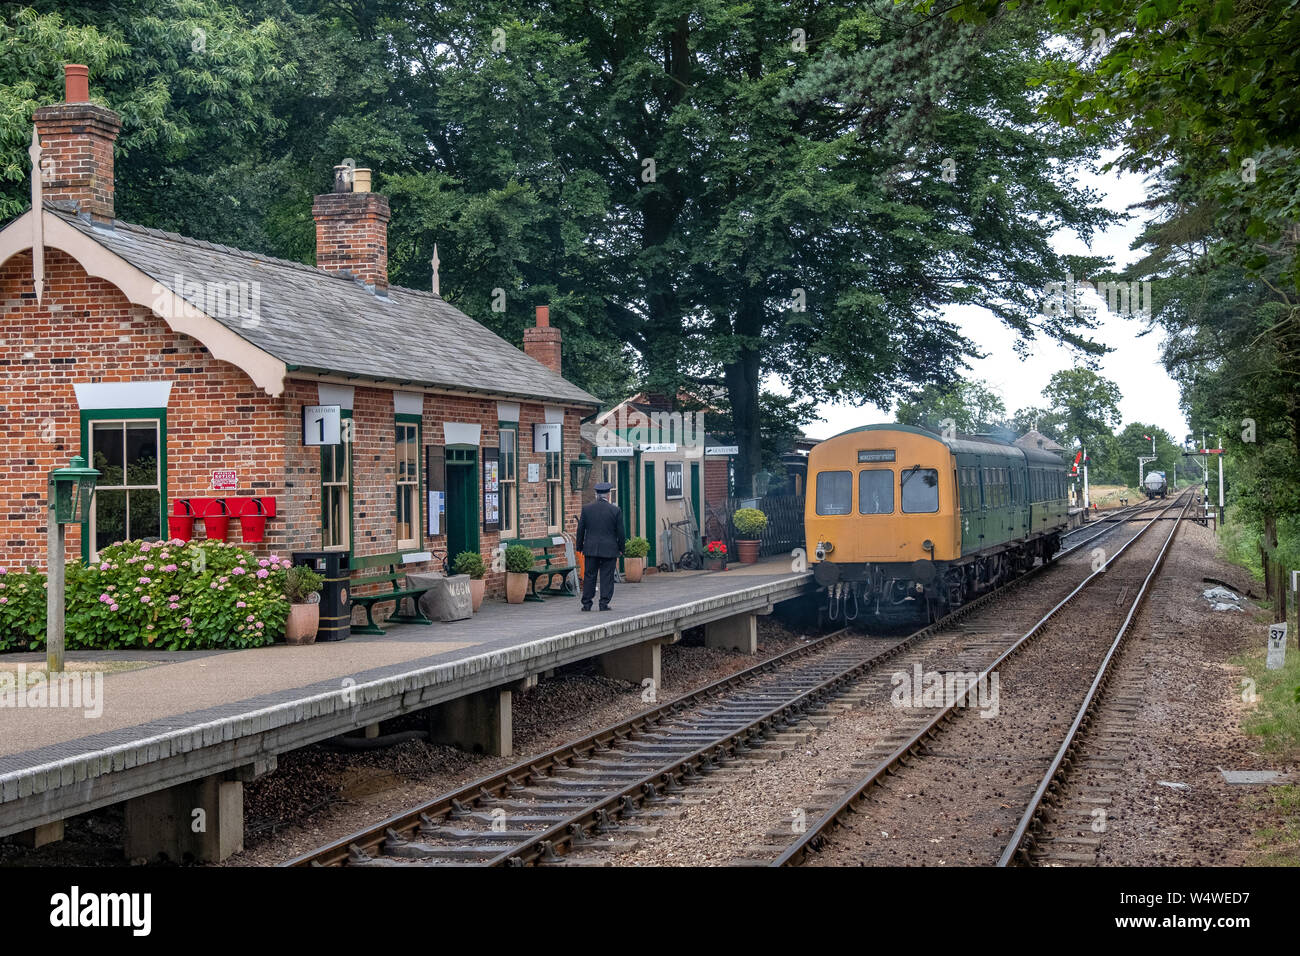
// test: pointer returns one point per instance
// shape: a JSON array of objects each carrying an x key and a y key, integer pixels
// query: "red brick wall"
[
  {"x": 85, "y": 330},
  {"x": 543, "y": 343}
]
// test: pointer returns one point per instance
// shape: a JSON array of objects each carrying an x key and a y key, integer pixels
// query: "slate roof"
[
  {"x": 321, "y": 322},
  {"x": 1036, "y": 439}
]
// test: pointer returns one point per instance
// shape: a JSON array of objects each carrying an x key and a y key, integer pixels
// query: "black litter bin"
[{"x": 335, "y": 599}]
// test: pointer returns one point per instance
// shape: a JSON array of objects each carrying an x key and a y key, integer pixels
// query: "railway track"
[
  {"x": 584, "y": 795},
  {"x": 982, "y": 772}
]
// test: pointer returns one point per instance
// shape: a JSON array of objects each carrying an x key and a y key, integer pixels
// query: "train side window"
[
  {"x": 834, "y": 492},
  {"x": 876, "y": 491},
  {"x": 919, "y": 491}
]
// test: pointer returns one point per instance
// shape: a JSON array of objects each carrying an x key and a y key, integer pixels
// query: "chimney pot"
[
  {"x": 361, "y": 181},
  {"x": 76, "y": 83},
  {"x": 543, "y": 316}
]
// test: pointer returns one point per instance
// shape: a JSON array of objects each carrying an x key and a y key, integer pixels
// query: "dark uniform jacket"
[{"x": 600, "y": 530}]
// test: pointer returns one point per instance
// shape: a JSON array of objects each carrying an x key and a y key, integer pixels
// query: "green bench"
[
  {"x": 393, "y": 562},
  {"x": 552, "y": 566}
]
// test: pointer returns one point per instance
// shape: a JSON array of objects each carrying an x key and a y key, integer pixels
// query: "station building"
[{"x": 344, "y": 413}]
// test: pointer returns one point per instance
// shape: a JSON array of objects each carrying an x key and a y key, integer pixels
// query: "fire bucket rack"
[{"x": 216, "y": 513}]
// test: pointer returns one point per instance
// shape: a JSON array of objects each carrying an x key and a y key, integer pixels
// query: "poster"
[
  {"x": 534, "y": 472},
  {"x": 492, "y": 507},
  {"x": 491, "y": 472},
  {"x": 437, "y": 507}
]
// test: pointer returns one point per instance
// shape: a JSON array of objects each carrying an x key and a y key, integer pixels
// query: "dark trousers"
[{"x": 605, "y": 568}]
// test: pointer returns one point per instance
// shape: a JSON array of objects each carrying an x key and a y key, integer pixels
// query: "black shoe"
[
  {"x": 604, "y": 607},
  {"x": 587, "y": 607}
]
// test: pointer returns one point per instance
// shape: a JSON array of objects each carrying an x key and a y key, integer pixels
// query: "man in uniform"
[{"x": 600, "y": 539}]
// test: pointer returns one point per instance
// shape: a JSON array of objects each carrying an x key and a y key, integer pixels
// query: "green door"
[
  {"x": 625, "y": 496},
  {"x": 650, "y": 526},
  {"x": 462, "y": 501}
]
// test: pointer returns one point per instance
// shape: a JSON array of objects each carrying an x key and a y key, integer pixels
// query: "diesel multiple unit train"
[{"x": 898, "y": 515}]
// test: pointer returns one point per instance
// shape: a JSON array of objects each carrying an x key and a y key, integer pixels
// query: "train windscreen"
[
  {"x": 834, "y": 492},
  {"x": 876, "y": 492},
  {"x": 919, "y": 488}
]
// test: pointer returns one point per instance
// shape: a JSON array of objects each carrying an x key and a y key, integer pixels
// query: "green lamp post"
[
  {"x": 580, "y": 472},
  {"x": 71, "y": 491}
]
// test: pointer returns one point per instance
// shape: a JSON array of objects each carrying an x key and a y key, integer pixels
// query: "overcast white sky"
[{"x": 1134, "y": 365}]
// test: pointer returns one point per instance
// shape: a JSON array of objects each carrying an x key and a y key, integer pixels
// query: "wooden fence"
[{"x": 784, "y": 530}]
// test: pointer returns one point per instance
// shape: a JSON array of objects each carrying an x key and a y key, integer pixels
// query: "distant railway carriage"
[
  {"x": 1156, "y": 485},
  {"x": 897, "y": 514}
]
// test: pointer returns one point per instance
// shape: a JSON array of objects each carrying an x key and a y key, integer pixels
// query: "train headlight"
[
  {"x": 823, "y": 548},
  {"x": 927, "y": 545}
]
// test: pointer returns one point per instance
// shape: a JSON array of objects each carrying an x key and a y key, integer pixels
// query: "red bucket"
[
  {"x": 253, "y": 528},
  {"x": 216, "y": 526},
  {"x": 180, "y": 527}
]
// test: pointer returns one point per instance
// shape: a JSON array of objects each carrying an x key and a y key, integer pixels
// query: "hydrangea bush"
[{"x": 172, "y": 595}]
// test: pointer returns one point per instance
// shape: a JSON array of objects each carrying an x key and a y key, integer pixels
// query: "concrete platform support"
[
  {"x": 37, "y": 837},
  {"x": 479, "y": 723},
  {"x": 203, "y": 820},
  {"x": 738, "y": 632},
  {"x": 634, "y": 664}
]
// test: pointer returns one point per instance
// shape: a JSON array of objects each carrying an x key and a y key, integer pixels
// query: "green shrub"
[
  {"x": 636, "y": 548},
  {"x": 301, "y": 583},
  {"x": 471, "y": 563},
  {"x": 519, "y": 558},
  {"x": 167, "y": 594},
  {"x": 749, "y": 522}
]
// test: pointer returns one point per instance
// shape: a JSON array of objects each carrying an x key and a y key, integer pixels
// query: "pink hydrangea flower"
[
  {"x": 144, "y": 599},
  {"x": 3, "y": 599},
  {"x": 263, "y": 573},
  {"x": 251, "y": 617},
  {"x": 112, "y": 607},
  {"x": 169, "y": 568},
  {"x": 104, "y": 566},
  {"x": 240, "y": 604},
  {"x": 263, "y": 563},
  {"x": 238, "y": 570}
]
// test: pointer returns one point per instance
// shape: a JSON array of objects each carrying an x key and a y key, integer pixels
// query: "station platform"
[{"x": 179, "y": 731}]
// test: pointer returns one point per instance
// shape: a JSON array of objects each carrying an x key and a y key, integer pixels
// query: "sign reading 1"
[
  {"x": 321, "y": 425},
  {"x": 546, "y": 437}
]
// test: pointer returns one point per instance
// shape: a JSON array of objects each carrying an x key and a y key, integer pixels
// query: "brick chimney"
[
  {"x": 77, "y": 147},
  {"x": 352, "y": 229},
  {"x": 542, "y": 342}
]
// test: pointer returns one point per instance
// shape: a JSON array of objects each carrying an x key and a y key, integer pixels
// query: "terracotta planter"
[
  {"x": 747, "y": 550},
  {"x": 477, "y": 586},
  {"x": 715, "y": 564},
  {"x": 304, "y": 620},
  {"x": 516, "y": 586},
  {"x": 633, "y": 569}
]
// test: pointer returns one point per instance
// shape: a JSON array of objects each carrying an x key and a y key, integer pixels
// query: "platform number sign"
[
  {"x": 546, "y": 437},
  {"x": 672, "y": 480},
  {"x": 321, "y": 425}
]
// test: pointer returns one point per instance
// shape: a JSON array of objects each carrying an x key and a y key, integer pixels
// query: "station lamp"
[
  {"x": 71, "y": 490},
  {"x": 580, "y": 472}
]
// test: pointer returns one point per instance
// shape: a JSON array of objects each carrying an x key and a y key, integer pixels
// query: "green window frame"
[
  {"x": 555, "y": 491},
  {"x": 408, "y": 449},
  {"x": 125, "y": 416},
  {"x": 508, "y": 478},
  {"x": 336, "y": 480}
]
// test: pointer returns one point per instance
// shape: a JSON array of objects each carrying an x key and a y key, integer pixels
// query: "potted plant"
[
  {"x": 749, "y": 524},
  {"x": 715, "y": 556},
  {"x": 471, "y": 563},
  {"x": 634, "y": 552},
  {"x": 302, "y": 588},
  {"x": 519, "y": 561}
]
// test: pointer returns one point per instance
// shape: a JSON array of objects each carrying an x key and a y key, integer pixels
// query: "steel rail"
[
  {"x": 1023, "y": 838},
  {"x": 537, "y": 768},
  {"x": 816, "y": 834}
]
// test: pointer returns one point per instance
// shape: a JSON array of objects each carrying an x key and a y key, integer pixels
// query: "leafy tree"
[
  {"x": 1087, "y": 405},
  {"x": 970, "y": 406}
]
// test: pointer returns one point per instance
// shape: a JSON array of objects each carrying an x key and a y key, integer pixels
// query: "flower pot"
[
  {"x": 476, "y": 588},
  {"x": 715, "y": 564},
  {"x": 747, "y": 550},
  {"x": 633, "y": 569},
  {"x": 300, "y": 628},
  {"x": 516, "y": 586}
]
